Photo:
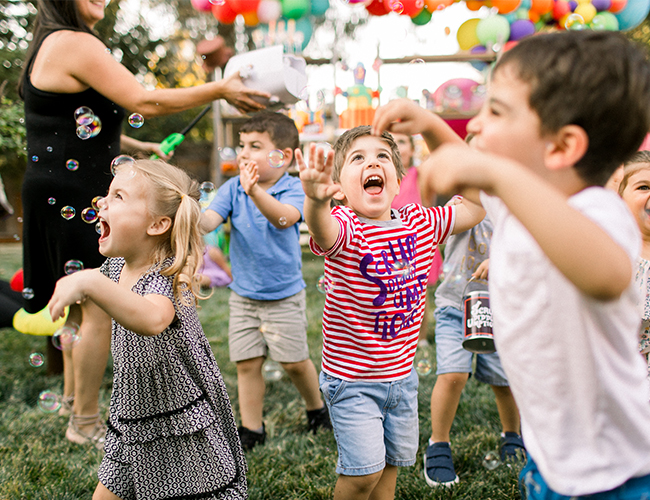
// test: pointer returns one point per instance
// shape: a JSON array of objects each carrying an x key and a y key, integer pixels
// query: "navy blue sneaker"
[
  {"x": 511, "y": 448},
  {"x": 438, "y": 465}
]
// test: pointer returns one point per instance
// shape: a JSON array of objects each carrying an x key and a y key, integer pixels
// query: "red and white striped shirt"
[{"x": 376, "y": 274}]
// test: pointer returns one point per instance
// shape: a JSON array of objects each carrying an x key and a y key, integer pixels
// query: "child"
[
  {"x": 171, "y": 430},
  {"x": 564, "y": 110},
  {"x": 267, "y": 305},
  {"x": 377, "y": 261},
  {"x": 634, "y": 188}
]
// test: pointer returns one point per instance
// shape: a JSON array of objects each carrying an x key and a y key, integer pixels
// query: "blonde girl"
[
  {"x": 635, "y": 191},
  {"x": 171, "y": 431}
]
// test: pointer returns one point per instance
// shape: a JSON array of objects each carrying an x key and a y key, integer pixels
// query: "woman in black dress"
[{"x": 68, "y": 67}]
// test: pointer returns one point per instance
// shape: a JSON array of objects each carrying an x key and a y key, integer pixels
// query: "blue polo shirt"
[{"x": 266, "y": 262}]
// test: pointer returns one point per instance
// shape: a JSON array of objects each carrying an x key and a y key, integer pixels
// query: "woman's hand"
[{"x": 236, "y": 93}]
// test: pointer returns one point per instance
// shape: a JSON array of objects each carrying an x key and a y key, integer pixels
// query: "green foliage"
[{"x": 12, "y": 136}]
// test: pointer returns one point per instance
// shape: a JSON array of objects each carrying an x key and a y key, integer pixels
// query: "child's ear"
[
  {"x": 339, "y": 195},
  {"x": 159, "y": 226},
  {"x": 288, "y": 156},
  {"x": 566, "y": 147}
]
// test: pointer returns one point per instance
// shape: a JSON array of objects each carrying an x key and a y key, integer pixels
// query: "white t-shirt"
[{"x": 573, "y": 362}]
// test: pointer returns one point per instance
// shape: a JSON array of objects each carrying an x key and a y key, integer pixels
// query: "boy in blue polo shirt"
[{"x": 267, "y": 302}]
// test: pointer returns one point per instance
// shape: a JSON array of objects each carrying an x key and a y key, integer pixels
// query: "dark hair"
[
  {"x": 281, "y": 129},
  {"x": 53, "y": 15},
  {"x": 344, "y": 143},
  {"x": 638, "y": 161},
  {"x": 597, "y": 80}
]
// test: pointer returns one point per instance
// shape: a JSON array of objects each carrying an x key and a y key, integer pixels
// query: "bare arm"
[
  {"x": 280, "y": 215},
  {"x": 146, "y": 315},
  {"x": 583, "y": 252},
  {"x": 210, "y": 220},
  {"x": 129, "y": 144},
  {"x": 319, "y": 189}
]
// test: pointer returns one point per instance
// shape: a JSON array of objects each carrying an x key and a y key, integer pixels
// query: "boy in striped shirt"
[{"x": 377, "y": 261}]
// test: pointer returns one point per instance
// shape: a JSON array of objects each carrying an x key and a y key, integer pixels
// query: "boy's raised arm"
[
  {"x": 319, "y": 189},
  {"x": 583, "y": 252},
  {"x": 210, "y": 221}
]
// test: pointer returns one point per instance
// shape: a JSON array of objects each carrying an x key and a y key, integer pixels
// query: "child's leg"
[
  {"x": 103, "y": 493},
  {"x": 304, "y": 376},
  {"x": 377, "y": 486},
  {"x": 444, "y": 403},
  {"x": 385, "y": 489},
  {"x": 250, "y": 390},
  {"x": 508, "y": 412}
]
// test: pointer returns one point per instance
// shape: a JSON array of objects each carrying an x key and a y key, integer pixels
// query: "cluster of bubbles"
[
  {"x": 49, "y": 401},
  {"x": 136, "y": 120},
  {"x": 324, "y": 285},
  {"x": 36, "y": 359},
  {"x": 66, "y": 337},
  {"x": 272, "y": 371},
  {"x": 276, "y": 158},
  {"x": 72, "y": 266},
  {"x": 88, "y": 124}
]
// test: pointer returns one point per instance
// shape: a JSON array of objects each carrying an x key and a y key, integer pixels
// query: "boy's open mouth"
[
  {"x": 105, "y": 230},
  {"x": 374, "y": 184}
]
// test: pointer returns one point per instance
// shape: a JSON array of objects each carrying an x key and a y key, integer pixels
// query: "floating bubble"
[
  {"x": 312, "y": 100},
  {"x": 49, "y": 401},
  {"x": 325, "y": 146},
  {"x": 28, "y": 293},
  {"x": 423, "y": 367},
  {"x": 207, "y": 187},
  {"x": 20, "y": 220},
  {"x": 83, "y": 115},
  {"x": 417, "y": 61},
  {"x": 89, "y": 215},
  {"x": 84, "y": 132},
  {"x": 276, "y": 158},
  {"x": 98, "y": 228},
  {"x": 96, "y": 201},
  {"x": 282, "y": 221},
  {"x": 51, "y": 201},
  {"x": 72, "y": 266},
  {"x": 402, "y": 267},
  {"x": 271, "y": 371},
  {"x": 396, "y": 6},
  {"x": 34, "y": 158},
  {"x": 49, "y": 149},
  {"x": 68, "y": 212},
  {"x": 95, "y": 127},
  {"x": 66, "y": 337},
  {"x": 324, "y": 285},
  {"x": 491, "y": 460},
  {"x": 122, "y": 162},
  {"x": 453, "y": 92},
  {"x": 136, "y": 120},
  {"x": 574, "y": 22},
  {"x": 36, "y": 359},
  {"x": 218, "y": 3},
  {"x": 72, "y": 165}
]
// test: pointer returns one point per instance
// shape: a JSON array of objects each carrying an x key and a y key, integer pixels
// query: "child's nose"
[{"x": 101, "y": 203}]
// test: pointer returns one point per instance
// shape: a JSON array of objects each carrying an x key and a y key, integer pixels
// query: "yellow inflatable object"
[
  {"x": 466, "y": 35},
  {"x": 39, "y": 323}
]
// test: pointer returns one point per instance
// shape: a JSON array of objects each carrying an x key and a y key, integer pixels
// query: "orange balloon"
[
  {"x": 533, "y": 16},
  {"x": 617, "y": 6},
  {"x": 250, "y": 18},
  {"x": 433, "y": 5},
  {"x": 541, "y": 6},
  {"x": 474, "y": 4},
  {"x": 505, "y": 6}
]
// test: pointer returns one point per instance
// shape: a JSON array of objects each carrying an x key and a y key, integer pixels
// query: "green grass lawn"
[{"x": 37, "y": 462}]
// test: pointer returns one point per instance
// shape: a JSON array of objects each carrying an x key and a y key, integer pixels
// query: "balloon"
[
  {"x": 250, "y": 18},
  {"x": 541, "y": 6},
  {"x": 604, "y": 21},
  {"x": 505, "y": 6},
  {"x": 269, "y": 10},
  {"x": 521, "y": 28},
  {"x": 601, "y": 5},
  {"x": 412, "y": 7},
  {"x": 617, "y": 6},
  {"x": 561, "y": 9},
  {"x": 587, "y": 11},
  {"x": 474, "y": 4},
  {"x": 241, "y": 6},
  {"x": 319, "y": 7},
  {"x": 493, "y": 30},
  {"x": 433, "y": 5},
  {"x": 478, "y": 65},
  {"x": 202, "y": 5},
  {"x": 304, "y": 26},
  {"x": 466, "y": 35},
  {"x": 422, "y": 18},
  {"x": 633, "y": 14},
  {"x": 377, "y": 8},
  {"x": 294, "y": 9},
  {"x": 223, "y": 13}
]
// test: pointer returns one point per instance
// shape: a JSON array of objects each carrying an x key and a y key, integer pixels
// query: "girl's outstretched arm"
[{"x": 145, "y": 315}]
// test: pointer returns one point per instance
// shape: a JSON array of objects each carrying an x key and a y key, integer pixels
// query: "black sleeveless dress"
[{"x": 49, "y": 239}]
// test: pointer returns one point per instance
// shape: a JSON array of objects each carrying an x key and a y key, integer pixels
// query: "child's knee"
[
  {"x": 453, "y": 380},
  {"x": 357, "y": 484},
  {"x": 298, "y": 368}
]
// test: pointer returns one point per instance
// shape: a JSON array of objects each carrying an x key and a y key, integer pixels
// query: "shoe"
[
  {"x": 96, "y": 436},
  {"x": 511, "y": 448},
  {"x": 318, "y": 419},
  {"x": 66, "y": 406},
  {"x": 249, "y": 439},
  {"x": 438, "y": 465}
]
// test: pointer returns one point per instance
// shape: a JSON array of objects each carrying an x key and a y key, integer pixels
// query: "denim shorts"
[
  {"x": 375, "y": 423},
  {"x": 533, "y": 487},
  {"x": 451, "y": 357}
]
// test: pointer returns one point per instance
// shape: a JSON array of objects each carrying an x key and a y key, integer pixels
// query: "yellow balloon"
[
  {"x": 466, "y": 35},
  {"x": 587, "y": 11}
]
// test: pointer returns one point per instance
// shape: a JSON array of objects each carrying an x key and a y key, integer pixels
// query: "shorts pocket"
[{"x": 331, "y": 387}]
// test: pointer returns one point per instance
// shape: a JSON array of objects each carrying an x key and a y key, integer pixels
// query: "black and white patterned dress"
[{"x": 171, "y": 430}]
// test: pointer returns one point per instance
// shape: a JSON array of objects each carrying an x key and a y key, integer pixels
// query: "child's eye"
[
  {"x": 382, "y": 155},
  {"x": 357, "y": 156},
  {"x": 643, "y": 188}
]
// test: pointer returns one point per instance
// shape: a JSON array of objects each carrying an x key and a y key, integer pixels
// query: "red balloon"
[
  {"x": 412, "y": 7},
  {"x": 377, "y": 8},
  {"x": 224, "y": 13},
  {"x": 617, "y": 5},
  {"x": 560, "y": 9},
  {"x": 242, "y": 6},
  {"x": 16, "y": 282}
]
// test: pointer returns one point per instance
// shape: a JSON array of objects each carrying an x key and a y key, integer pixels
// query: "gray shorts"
[{"x": 273, "y": 328}]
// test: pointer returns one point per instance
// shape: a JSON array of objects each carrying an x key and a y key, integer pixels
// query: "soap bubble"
[
  {"x": 51, "y": 201},
  {"x": 28, "y": 293},
  {"x": 95, "y": 127},
  {"x": 72, "y": 266},
  {"x": 49, "y": 149},
  {"x": 136, "y": 120},
  {"x": 96, "y": 201},
  {"x": 83, "y": 115},
  {"x": 66, "y": 337},
  {"x": 491, "y": 460},
  {"x": 325, "y": 146},
  {"x": 36, "y": 359},
  {"x": 282, "y": 221},
  {"x": 271, "y": 371},
  {"x": 49, "y": 401},
  {"x": 324, "y": 285},
  {"x": 122, "y": 163},
  {"x": 98, "y": 228},
  {"x": 72, "y": 164},
  {"x": 68, "y": 212},
  {"x": 312, "y": 99},
  {"x": 34, "y": 158},
  {"x": 84, "y": 132},
  {"x": 423, "y": 367},
  {"x": 574, "y": 22},
  {"x": 207, "y": 187},
  {"x": 269, "y": 332},
  {"x": 402, "y": 267},
  {"x": 416, "y": 61},
  {"x": 396, "y": 6},
  {"x": 276, "y": 159},
  {"x": 218, "y": 3},
  {"x": 89, "y": 215}
]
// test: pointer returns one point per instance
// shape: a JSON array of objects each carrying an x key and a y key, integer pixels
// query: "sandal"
[
  {"x": 66, "y": 406},
  {"x": 96, "y": 436}
]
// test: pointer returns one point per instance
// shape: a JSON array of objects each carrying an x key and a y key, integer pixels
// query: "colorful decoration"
[{"x": 361, "y": 107}]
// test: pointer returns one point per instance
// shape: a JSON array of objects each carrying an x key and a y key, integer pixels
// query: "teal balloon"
[
  {"x": 294, "y": 9},
  {"x": 422, "y": 18},
  {"x": 319, "y": 7},
  {"x": 633, "y": 14},
  {"x": 304, "y": 26},
  {"x": 492, "y": 30}
]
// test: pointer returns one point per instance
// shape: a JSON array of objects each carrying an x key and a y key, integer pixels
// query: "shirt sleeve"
[
  {"x": 294, "y": 195},
  {"x": 344, "y": 235},
  {"x": 223, "y": 200}
]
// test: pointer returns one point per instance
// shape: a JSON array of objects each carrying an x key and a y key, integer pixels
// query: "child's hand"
[
  {"x": 248, "y": 177},
  {"x": 481, "y": 272},
  {"x": 69, "y": 290},
  {"x": 401, "y": 116},
  {"x": 317, "y": 177}
]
